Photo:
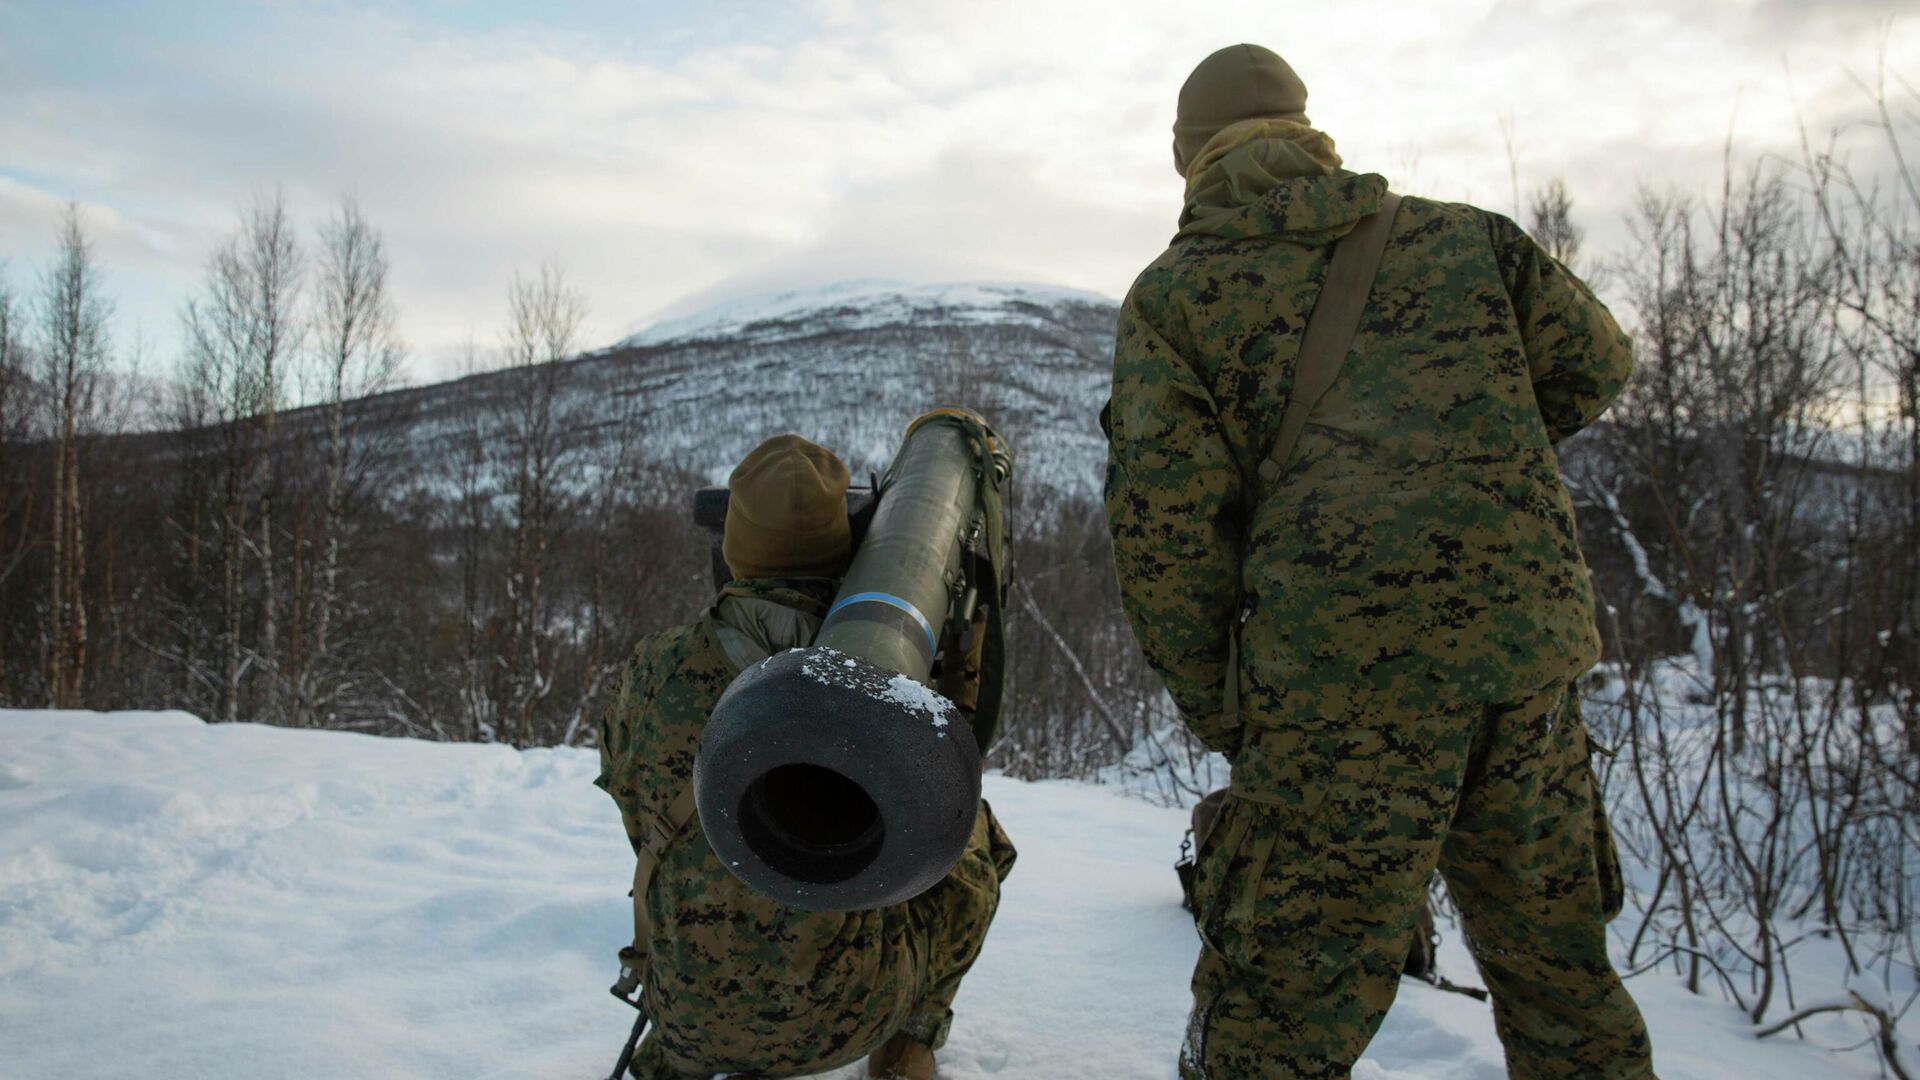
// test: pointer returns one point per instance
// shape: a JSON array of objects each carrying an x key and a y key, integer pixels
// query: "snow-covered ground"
[{"x": 188, "y": 900}]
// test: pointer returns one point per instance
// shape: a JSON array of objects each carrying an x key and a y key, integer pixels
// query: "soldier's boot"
[{"x": 901, "y": 1058}]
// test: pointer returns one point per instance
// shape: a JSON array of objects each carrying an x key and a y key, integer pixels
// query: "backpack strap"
[
  {"x": 1330, "y": 329},
  {"x": 659, "y": 832}
]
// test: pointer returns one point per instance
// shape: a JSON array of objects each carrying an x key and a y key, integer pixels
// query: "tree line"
[{"x": 250, "y": 536}]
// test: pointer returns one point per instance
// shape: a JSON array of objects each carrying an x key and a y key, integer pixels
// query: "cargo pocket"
[
  {"x": 1230, "y": 886},
  {"x": 1211, "y": 856}
]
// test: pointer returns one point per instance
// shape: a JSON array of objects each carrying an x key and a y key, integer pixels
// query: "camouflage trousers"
[
  {"x": 1312, "y": 880},
  {"x": 947, "y": 925}
]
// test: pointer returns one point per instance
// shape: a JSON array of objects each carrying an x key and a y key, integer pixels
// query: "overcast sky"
[{"x": 665, "y": 154}]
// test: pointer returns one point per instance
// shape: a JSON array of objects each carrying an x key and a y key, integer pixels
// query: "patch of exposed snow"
[
  {"x": 918, "y": 698},
  {"x": 831, "y": 667},
  {"x": 824, "y": 666},
  {"x": 229, "y": 900}
]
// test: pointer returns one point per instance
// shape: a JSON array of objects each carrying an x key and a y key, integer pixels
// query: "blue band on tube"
[{"x": 933, "y": 643}]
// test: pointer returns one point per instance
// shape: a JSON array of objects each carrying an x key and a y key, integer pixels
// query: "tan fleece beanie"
[
  {"x": 787, "y": 516},
  {"x": 1240, "y": 82}
]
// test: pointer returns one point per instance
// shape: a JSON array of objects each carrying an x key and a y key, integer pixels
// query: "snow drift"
[{"x": 188, "y": 900}]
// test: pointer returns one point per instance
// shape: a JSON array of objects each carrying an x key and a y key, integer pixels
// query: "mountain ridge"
[
  {"x": 848, "y": 366},
  {"x": 868, "y": 301}
]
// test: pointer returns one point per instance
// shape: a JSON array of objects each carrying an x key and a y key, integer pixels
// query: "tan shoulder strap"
[
  {"x": 1330, "y": 329},
  {"x": 659, "y": 832}
]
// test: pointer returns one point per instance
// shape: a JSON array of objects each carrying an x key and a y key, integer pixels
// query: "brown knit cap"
[
  {"x": 1240, "y": 82},
  {"x": 787, "y": 516}
]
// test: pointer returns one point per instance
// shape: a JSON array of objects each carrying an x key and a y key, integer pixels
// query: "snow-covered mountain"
[
  {"x": 847, "y": 366},
  {"x": 862, "y": 304}
]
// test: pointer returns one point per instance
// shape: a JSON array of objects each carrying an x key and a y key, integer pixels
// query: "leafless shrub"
[{"x": 1751, "y": 509}]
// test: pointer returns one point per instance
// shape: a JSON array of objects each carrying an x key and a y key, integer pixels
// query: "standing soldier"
[
  {"x": 735, "y": 982},
  {"x": 1367, "y": 590}
]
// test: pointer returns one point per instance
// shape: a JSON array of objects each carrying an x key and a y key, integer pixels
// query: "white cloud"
[{"x": 945, "y": 138}]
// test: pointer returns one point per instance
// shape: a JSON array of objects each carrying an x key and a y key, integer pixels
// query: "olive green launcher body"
[{"x": 833, "y": 777}]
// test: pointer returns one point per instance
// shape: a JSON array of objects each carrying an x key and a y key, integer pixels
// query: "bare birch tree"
[
  {"x": 272, "y": 260},
  {"x": 616, "y": 471},
  {"x": 240, "y": 334},
  {"x": 73, "y": 346},
  {"x": 224, "y": 395},
  {"x": 469, "y": 518},
  {"x": 544, "y": 318},
  {"x": 358, "y": 354}
]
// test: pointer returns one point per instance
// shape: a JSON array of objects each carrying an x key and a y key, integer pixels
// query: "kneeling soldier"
[{"x": 735, "y": 982}]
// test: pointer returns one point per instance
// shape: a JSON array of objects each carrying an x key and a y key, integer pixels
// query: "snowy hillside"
[
  {"x": 847, "y": 365},
  {"x": 186, "y": 900}
]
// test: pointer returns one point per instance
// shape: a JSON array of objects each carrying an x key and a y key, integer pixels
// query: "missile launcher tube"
[
  {"x": 831, "y": 777},
  {"x": 894, "y": 598}
]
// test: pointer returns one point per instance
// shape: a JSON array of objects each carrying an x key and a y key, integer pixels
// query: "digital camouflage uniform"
[
  {"x": 1412, "y": 607},
  {"x": 735, "y": 982}
]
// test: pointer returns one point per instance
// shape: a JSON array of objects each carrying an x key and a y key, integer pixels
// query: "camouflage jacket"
[
  {"x": 736, "y": 982},
  {"x": 1421, "y": 546}
]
